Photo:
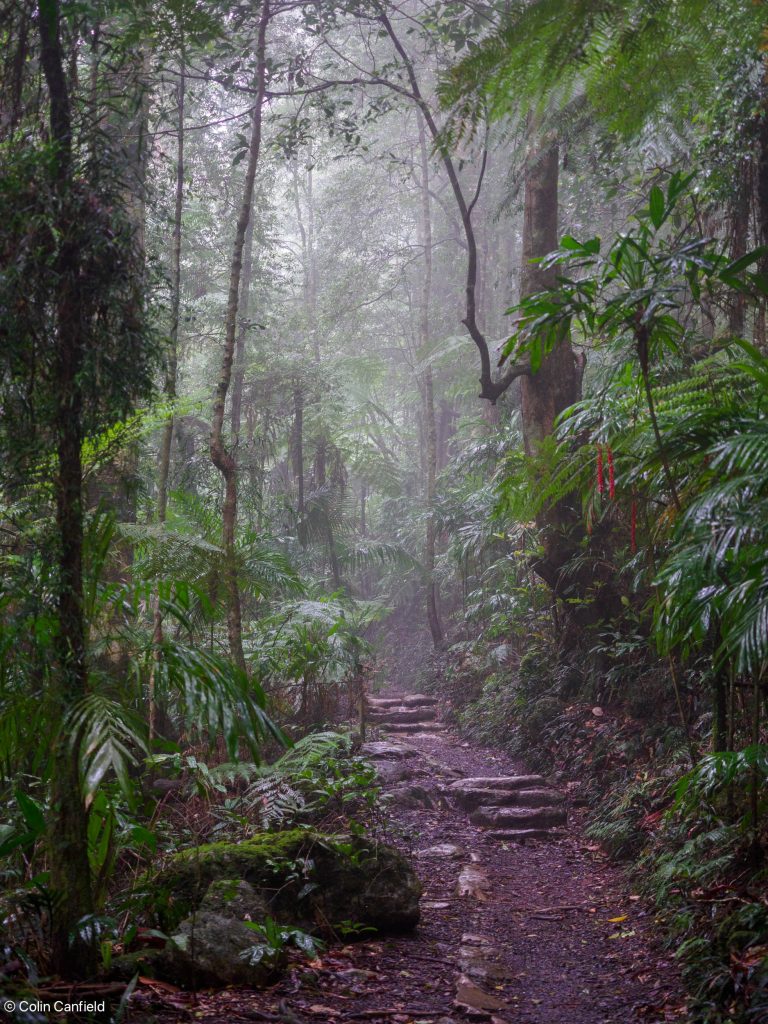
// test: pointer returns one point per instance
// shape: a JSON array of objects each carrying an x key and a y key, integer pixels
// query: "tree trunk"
[
  {"x": 430, "y": 427},
  {"x": 73, "y": 952},
  {"x": 221, "y": 457},
  {"x": 298, "y": 447},
  {"x": 557, "y": 383},
  {"x": 166, "y": 441},
  {"x": 242, "y": 337},
  {"x": 739, "y": 236}
]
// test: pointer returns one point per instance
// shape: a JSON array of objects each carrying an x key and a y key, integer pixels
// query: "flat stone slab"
[
  {"x": 408, "y": 700},
  {"x": 410, "y": 726},
  {"x": 383, "y": 750},
  {"x": 519, "y": 817},
  {"x": 505, "y": 782},
  {"x": 401, "y": 714},
  {"x": 521, "y": 835},
  {"x": 470, "y": 798}
]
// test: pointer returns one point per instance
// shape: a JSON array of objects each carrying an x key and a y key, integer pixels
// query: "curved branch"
[{"x": 489, "y": 388}]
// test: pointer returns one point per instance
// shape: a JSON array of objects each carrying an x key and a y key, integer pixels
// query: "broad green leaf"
[{"x": 656, "y": 206}]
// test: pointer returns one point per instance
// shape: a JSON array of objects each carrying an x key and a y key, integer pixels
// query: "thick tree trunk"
[
  {"x": 557, "y": 383},
  {"x": 221, "y": 456},
  {"x": 430, "y": 427},
  {"x": 72, "y": 952}
]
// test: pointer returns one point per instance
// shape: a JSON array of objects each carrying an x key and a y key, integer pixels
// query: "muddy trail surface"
[{"x": 523, "y": 921}]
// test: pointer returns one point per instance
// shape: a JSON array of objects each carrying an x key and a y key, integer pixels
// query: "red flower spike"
[
  {"x": 600, "y": 480},
  {"x": 611, "y": 476}
]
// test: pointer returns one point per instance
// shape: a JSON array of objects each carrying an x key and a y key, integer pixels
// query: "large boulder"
[{"x": 301, "y": 877}]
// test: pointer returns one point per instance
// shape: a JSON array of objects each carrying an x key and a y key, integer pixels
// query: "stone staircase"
[
  {"x": 510, "y": 807},
  {"x": 414, "y": 713}
]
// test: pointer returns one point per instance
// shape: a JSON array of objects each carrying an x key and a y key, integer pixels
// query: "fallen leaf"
[{"x": 615, "y": 920}]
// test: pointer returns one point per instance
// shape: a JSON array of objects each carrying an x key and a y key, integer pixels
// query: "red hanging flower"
[
  {"x": 611, "y": 475},
  {"x": 600, "y": 480}
]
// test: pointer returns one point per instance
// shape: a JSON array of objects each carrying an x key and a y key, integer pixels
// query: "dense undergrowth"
[{"x": 686, "y": 835}]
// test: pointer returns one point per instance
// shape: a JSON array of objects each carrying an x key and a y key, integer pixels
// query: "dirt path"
[{"x": 512, "y": 932}]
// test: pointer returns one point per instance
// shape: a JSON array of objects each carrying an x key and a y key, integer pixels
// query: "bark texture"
[{"x": 557, "y": 383}]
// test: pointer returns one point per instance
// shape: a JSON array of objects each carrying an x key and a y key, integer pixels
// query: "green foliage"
[
  {"x": 275, "y": 939},
  {"x": 120, "y": 347},
  {"x": 550, "y": 53}
]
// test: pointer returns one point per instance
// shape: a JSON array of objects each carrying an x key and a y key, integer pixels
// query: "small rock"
[
  {"x": 473, "y": 881},
  {"x": 414, "y": 797},
  {"x": 448, "y": 851},
  {"x": 471, "y": 998},
  {"x": 392, "y": 772}
]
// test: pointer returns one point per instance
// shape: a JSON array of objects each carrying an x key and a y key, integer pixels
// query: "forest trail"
[{"x": 513, "y": 931}]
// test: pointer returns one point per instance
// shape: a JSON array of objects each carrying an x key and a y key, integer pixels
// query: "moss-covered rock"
[{"x": 304, "y": 877}]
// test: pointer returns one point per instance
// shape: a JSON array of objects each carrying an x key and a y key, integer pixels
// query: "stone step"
[
  {"x": 503, "y": 782},
  {"x": 519, "y": 835},
  {"x": 469, "y": 798},
  {"x": 401, "y": 714},
  {"x": 412, "y": 700},
  {"x": 409, "y": 727},
  {"x": 518, "y": 817}
]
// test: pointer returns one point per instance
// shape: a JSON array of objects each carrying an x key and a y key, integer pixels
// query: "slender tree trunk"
[
  {"x": 739, "y": 237},
  {"x": 312, "y": 281},
  {"x": 171, "y": 369},
  {"x": 298, "y": 446},
  {"x": 242, "y": 337},
  {"x": 71, "y": 882},
  {"x": 430, "y": 427},
  {"x": 164, "y": 461},
  {"x": 221, "y": 457}
]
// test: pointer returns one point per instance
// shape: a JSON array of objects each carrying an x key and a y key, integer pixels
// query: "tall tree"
[
  {"x": 70, "y": 870},
  {"x": 428, "y": 393},
  {"x": 224, "y": 458}
]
